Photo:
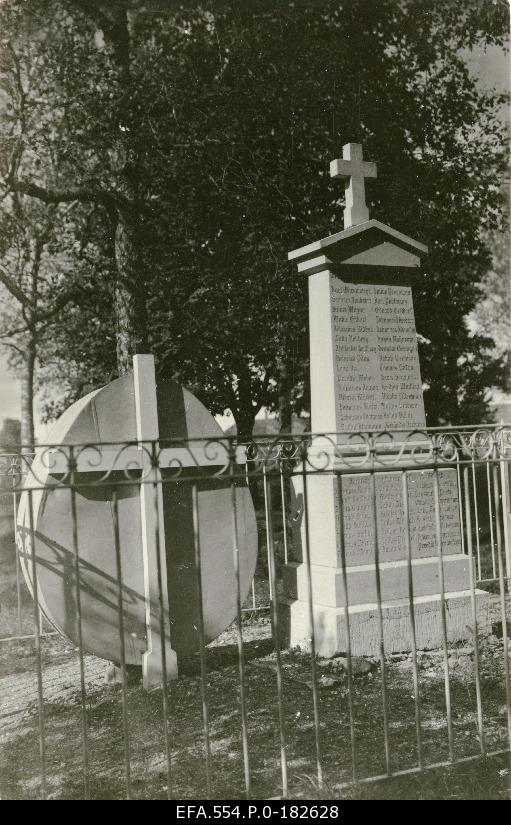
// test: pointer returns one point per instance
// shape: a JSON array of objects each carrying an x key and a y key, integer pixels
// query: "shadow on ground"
[{"x": 150, "y": 779}]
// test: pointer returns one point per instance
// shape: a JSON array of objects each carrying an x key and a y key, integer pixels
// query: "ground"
[
  {"x": 20, "y": 774},
  {"x": 20, "y": 763}
]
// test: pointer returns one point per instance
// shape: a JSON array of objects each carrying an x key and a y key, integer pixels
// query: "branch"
[
  {"x": 40, "y": 317},
  {"x": 11, "y": 285},
  {"x": 19, "y": 83},
  {"x": 10, "y": 333},
  {"x": 60, "y": 302},
  {"x": 82, "y": 194},
  {"x": 14, "y": 347}
]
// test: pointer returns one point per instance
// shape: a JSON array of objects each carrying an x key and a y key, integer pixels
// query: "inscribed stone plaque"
[
  {"x": 377, "y": 375},
  {"x": 422, "y": 512},
  {"x": 358, "y": 516}
]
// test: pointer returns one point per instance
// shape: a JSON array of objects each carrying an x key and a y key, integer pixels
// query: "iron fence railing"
[{"x": 50, "y": 493}]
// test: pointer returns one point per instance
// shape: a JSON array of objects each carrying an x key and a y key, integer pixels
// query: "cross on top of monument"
[{"x": 354, "y": 169}]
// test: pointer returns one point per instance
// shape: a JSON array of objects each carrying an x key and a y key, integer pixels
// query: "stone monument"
[
  {"x": 147, "y": 441},
  {"x": 365, "y": 377}
]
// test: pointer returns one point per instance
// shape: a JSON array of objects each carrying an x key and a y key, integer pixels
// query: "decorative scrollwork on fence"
[{"x": 101, "y": 464}]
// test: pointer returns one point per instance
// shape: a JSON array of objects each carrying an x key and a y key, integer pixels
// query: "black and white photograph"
[{"x": 255, "y": 403}]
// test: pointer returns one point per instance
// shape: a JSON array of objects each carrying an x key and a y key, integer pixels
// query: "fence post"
[
  {"x": 506, "y": 506},
  {"x": 16, "y": 470}
]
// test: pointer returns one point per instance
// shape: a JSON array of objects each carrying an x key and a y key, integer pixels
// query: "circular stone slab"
[{"x": 108, "y": 416}]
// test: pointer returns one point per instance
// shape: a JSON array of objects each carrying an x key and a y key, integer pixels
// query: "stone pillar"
[{"x": 365, "y": 377}]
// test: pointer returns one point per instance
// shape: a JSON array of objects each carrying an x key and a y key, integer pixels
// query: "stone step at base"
[
  {"x": 330, "y": 624},
  {"x": 328, "y": 586}
]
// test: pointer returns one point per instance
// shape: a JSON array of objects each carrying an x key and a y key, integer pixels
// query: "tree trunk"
[
  {"x": 27, "y": 397},
  {"x": 243, "y": 408},
  {"x": 130, "y": 297},
  {"x": 130, "y": 306},
  {"x": 245, "y": 419}
]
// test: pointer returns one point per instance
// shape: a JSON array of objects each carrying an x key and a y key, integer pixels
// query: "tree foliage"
[{"x": 200, "y": 135}]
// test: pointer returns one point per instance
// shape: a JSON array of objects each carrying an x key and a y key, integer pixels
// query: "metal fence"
[{"x": 261, "y": 720}]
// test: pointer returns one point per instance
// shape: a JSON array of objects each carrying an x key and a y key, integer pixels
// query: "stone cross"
[
  {"x": 366, "y": 537},
  {"x": 153, "y": 528},
  {"x": 138, "y": 457},
  {"x": 354, "y": 169}
]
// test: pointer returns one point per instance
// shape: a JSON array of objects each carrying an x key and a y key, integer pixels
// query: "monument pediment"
[{"x": 371, "y": 243}]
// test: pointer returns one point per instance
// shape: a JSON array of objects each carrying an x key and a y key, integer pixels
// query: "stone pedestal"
[
  {"x": 330, "y": 625},
  {"x": 365, "y": 377},
  {"x": 341, "y": 519}
]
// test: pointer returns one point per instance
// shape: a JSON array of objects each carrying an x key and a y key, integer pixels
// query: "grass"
[
  {"x": 20, "y": 774},
  {"x": 484, "y": 779},
  {"x": 20, "y": 765}
]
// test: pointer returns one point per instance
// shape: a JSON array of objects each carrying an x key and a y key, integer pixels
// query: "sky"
[{"x": 493, "y": 69}]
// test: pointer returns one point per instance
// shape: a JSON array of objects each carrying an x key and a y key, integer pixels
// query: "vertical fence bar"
[
  {"x": 284, "y": 512},
  {"x": 468, "y": 522},
  {"x": 413, "y": 630},
  {"x": 443, "y": 614},
  {"x": 310, "y": 597},
  {"x": 40, "y": 619},
  {"x": 380, "y": 624},
  {"x": 275, "y": 627},
  {"x": 78, "y": 597},
  {"x": 15, "y": 473},
  {"x": 122, "y": 641},
  {"x": 348, "y": 632},
  {"x": 504, "y": 486},
  {"x": 461, "y": 512},
  {"x": 252, "y": 585},
  {"x": 161, "y": 617},
  {"x": 253, "y": 593},
  {"x": 202, "y": 639},
  {"x": 502, "y": 589},
  {"x": 37, "y": 640},
  {"x": 460, "y": 501},
  {"x": 272, "y": 594},
  {"x": 476, "y": 519},
  {"x": 239, "y": 621},
  {"x": 490, "y": 512}
]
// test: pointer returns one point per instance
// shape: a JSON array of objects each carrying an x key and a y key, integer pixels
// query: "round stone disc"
[{"x": 107, "y": 416}]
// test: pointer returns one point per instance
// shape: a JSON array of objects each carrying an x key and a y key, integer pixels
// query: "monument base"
[
  {"x": 152, "y": 666},
  {"x": 328, "y": 584},
  {"x": 330, "y": 624}
]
